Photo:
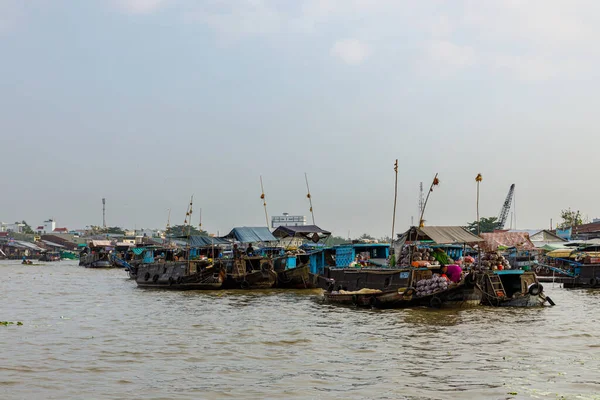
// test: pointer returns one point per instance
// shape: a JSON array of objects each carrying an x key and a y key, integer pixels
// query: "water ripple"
[{"x": 94, "y": 334}]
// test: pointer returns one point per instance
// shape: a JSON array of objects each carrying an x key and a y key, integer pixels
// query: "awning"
[
  {"x": 552, "y": 247},
  {"x": 25, "y": 245},
  {"x": 100, "y": 243},
  {"x": 560, "y": 253},
  {"x": 498, "y": 240},
  {"x": 203, "y": 241},
  {"x": 52, "y": 244},
  {"x": 250, "y": 235},
  {"x": 440, "y": 235},
  {"x": 310, "y": 232}
]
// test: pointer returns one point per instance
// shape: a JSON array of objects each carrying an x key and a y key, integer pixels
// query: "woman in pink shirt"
[{"x": 453, "y": 272}]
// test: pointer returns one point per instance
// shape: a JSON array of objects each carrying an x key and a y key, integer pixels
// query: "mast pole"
[
  {"x": 262, "y": 196},
  {"x": 434, "y": 183},
  {"x": 478, "y": 179},
  {"x": 189, "y": 226},
  {"x": 309, "y": 198},
  {"x": 168, "y": 226},
  {"x": 395, "y": 200}
]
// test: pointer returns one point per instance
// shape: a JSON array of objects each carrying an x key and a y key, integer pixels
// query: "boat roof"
[
  {"x": 203, "y": 241},
  {"x": 52, "y": 244},
  {"x": 100, "y": 243},
  {"x": 310, "y": 232},
  {"x": 247, "y": 234},
  {"x": 440, "y": 235},
  {"x": 495, "y": 240}
]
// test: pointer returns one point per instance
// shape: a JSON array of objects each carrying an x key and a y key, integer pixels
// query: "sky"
[{"x": 148, "y": 102}]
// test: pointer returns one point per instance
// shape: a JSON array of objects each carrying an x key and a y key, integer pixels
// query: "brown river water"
[{"x": 92, "y": 334}]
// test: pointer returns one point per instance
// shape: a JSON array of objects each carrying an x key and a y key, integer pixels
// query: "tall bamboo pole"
[
  {"x": 478, "y": 179},
  {"x": 434, "y": 183},
  {"x": 395, "y": 200},
  {"x": 309, "y": 198},
  {"x": 262, "y": 196}
]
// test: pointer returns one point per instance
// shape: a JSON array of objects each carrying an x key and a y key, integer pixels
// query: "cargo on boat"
[{"x": 503, "y": 284}]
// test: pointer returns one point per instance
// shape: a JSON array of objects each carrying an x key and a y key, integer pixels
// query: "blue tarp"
[
  {"x": 250, "y": 235},
  {"x": 202, "y": 241}
]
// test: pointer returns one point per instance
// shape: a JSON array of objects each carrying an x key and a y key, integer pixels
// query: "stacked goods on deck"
[
  {"x": 435, "y": 284},
  {"x": 494, "y": 261},
  {"x": 413, "y": 256}
]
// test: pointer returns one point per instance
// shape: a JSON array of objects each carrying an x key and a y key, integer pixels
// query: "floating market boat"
[
  {"x": 500, "y": 283},
  {"x": 184, "y": 275},
  {"x": 415, "y": 282},
  {"x": 249, "y": 272},
  {"x": 248, "y": 269},
  {"x": 96, "y": 254},
  {"x": 68, "y": 255},
  {"x": 296, "y": 269},
  {"x": 451, "y": 295},
  {"x": 50, "y": 256},
  {"x": 511, "y": 288},
  {"x": 178, "y": 269}
]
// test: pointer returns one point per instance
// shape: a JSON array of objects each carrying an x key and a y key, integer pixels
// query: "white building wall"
[
  {"x": 287, "y": 220},
  {"x": 49, "y": 226}
]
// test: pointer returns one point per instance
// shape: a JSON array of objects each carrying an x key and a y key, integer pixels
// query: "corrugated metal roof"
[
  {"x": 493, "y": 240},
  {"x": 52, "y": 244},
  {"x": 20, "y": 243},
  {"x": 251, "y": 234}
]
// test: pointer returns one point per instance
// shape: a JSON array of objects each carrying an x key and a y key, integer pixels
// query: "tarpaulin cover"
[
  {"x": 138, "y": 250},
  {"x": 496, "y": 240},
  {"x": 100, "y": 243},
  {"x": 202, "y": 241},
  {"x": 560, "y": 253},
  {"x": 439, "y": 235},
  {"x": 250, "y": 235},
  {"x": 310, "y": 232}
]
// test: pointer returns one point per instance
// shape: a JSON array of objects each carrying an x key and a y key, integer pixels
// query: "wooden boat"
[
  {"x": 249, "y": 272},
  {"x": 96, "y": 254},
  {"x": 400, "y": 286},
  {"x": 295, "y": 269},
  {"x": 181, "y": 275},
  {"x": 49, "y": 256},
  {"x": 461, "y": 295},
  {"x": 511, "y": 288},
  {"x": 68, "y": 255}
]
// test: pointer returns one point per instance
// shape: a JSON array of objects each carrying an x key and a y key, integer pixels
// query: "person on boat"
[
  {"x": 250, "y": 250},
  {"x": 236, "y": 251},
  {"x": 451, "y": 272}
]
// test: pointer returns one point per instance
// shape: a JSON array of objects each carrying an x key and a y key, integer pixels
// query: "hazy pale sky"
[{"x": 146, "y": 102}]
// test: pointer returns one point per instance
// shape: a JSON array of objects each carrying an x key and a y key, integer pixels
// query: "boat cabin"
[{"x": 362, "y": 254}]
